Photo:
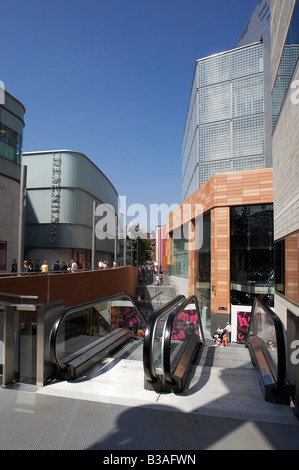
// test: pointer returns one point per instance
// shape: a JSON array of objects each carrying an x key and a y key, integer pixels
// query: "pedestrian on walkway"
[
  {"x": 63, "y": 267},
  {"x": 228, "y": 331},
  {"x": 74, "y": 266},
  {"x": 44, "y": 267},
  {"x": 14, "y": 266},
  {"x": 37, "y": 265},
  {"x": 56, "y": 266},
  {"x": 26, "y": 267}
]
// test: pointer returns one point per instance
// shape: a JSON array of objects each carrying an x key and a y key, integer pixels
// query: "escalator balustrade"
[
  {"x": 85, "y": 334},
  {"x": 177, "y": 335}
]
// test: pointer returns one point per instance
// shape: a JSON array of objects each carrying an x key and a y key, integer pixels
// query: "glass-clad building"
[
  {"x": 287, "y": 65},
  {"x": 224, "y": 129},
  {"x": 11, "y": 136},
  {"x": 11, "y": 129}
]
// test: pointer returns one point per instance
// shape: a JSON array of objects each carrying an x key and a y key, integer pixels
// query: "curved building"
[
  {"x": 11, "y": 137},
  {"x": 61, "y": 188}
]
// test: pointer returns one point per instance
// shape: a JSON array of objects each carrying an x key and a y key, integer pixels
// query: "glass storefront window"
[
  {"x": 204, "y": 272},
  {"x": 287, "y": 267},
  {"x": 280, "y": 267},
  {"x": 180, "y": 252},
  {"x": 252, "y": 254}
]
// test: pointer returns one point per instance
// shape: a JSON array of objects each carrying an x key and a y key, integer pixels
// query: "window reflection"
[
  {"x": 252, "y": 258},
  {"x": 204, "y": 272},
  {"x": 287, "y": 267},
  {"x": 10, "y": 143},
  {"x": 180, "y": 252}
]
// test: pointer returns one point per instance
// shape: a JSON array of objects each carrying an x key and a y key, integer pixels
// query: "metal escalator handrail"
[
  {"x": 149, "y": 337},
  {"x": 59, "y": 319},
  {"x": 167, "y": 336},
  {"x": 281, "y": 378}
]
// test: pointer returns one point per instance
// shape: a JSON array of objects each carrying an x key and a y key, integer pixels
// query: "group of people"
[
  {"x": 28, "y": 266},
  {"x": 61, "y": 267},
  {"x": 222, "y": 335},
  {"x": 104, "y": 265},
  {"x": 140, "y": 298}
]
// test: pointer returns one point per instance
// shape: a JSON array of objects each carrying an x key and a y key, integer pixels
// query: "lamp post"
[
  {"x": 137, "y": 230},
  {"x": 93, "y": 241},
  {"x": 22, "y": 209},
  {"x": 132, "y": 229}
]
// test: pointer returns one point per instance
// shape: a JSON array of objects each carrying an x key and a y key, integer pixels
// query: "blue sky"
[{"x": 112, "y": 79}]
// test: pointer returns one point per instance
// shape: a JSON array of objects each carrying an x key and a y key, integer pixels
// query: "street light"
[{"x": 133, "y": 235}]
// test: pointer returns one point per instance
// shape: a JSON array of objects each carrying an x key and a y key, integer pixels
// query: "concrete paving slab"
[{"x": 229, "y": 393}]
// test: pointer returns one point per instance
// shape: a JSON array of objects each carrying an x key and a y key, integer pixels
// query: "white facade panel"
[{"x": 61, "y": 188}]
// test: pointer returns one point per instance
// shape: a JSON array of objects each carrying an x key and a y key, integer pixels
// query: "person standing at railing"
[
  {"x": 44, "y": 267},
  {"x": 74, "y": 266},
  {"x": 26, "y": 267},
  {"x": 56, "y": 266},
  {"x": 14, "y": 266},
  {"x": 63, "y": 267}
]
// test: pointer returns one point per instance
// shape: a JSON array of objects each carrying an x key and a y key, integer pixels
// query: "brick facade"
[{"x": 217, "y": 196}]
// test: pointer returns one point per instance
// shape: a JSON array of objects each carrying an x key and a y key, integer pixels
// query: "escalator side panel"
[
  {"x": 181, "y": 324},
  {"x": 181, "y": 372},
  {"x": 84, "y": 334},
  {"x": 82, "y": 363},
  {"x": 149, "y": 350}
]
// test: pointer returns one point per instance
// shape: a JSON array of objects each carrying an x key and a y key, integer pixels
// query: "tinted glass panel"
[{"x": 252, "y": 256}]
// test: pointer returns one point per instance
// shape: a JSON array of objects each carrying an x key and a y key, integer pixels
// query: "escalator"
[
  {"x": 173, "y": 337},
  {"x": 267, "y": 345},
  {"x": 85, "y": 334}
]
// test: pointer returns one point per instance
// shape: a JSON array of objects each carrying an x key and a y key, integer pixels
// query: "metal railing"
[
  {"x": 266, "y": 341},
  {"x": 183, "y": 331},
  {"x": 151, "y": 335},
  {"x": 172, "y": 338},
  {"x": 93, "y": 329}
]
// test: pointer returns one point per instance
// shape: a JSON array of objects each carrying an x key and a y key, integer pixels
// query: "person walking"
[{"x": 228, "y": 331}]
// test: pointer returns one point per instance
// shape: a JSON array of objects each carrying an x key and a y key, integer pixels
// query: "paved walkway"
[{"x": 109, "y": 409}]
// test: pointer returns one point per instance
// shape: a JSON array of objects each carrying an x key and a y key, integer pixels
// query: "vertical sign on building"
[{"x": 55, "y": 198}]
